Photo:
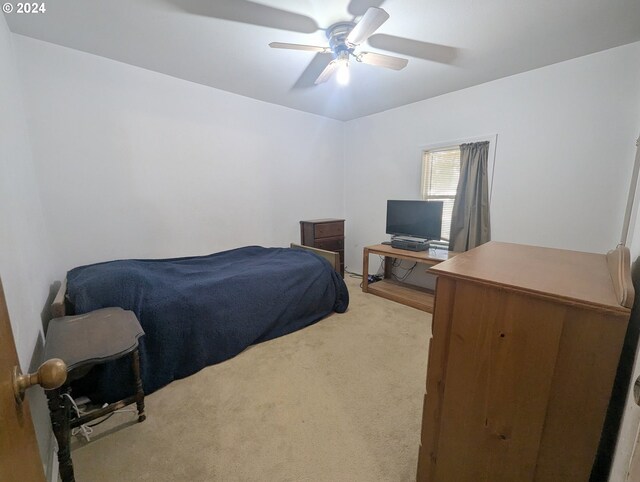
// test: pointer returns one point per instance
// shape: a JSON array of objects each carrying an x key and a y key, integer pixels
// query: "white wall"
[
  {"x": 25, "y": 257},
  {"x": 565, "y": 147},
  {"x": 133, "y": 163}
]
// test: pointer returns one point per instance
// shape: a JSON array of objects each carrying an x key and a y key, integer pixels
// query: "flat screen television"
[{"x": 417, "y": 219}]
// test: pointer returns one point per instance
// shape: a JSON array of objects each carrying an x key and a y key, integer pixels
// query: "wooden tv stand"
[{"x": 407, "y": 294}]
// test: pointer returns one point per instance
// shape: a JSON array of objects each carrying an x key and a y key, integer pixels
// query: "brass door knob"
[{"x": 51, "y": 374}]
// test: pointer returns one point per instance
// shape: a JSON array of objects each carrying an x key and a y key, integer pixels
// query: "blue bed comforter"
[{"x": 202, "y": 310}]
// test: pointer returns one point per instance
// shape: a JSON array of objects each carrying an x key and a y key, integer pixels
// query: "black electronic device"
[
  {"x": 410, "y": 244},
  {"x": 415, "y": 219}
]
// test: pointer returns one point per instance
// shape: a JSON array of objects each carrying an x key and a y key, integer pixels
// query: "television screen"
[{"x": 418, "y": 219}]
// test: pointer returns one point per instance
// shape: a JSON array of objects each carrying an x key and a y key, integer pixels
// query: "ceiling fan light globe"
[{"x": 343, "y": 75}]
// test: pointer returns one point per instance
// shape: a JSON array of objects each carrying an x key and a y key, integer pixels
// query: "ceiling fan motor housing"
[
  {"x": 344, "y": 38},
  {"x": 337, "y": 35}
]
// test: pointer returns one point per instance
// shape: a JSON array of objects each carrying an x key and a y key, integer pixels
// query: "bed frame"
[
  {"x": 331, "y": 256},
  {"x": 60, "y": 306}
]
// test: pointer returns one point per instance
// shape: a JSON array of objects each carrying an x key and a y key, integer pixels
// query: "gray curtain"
[{"x": 470, "y": 217}]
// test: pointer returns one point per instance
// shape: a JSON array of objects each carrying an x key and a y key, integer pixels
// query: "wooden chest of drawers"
[
  {"x": 526, "y": 342},
  {"x": 324, "y": 234}
]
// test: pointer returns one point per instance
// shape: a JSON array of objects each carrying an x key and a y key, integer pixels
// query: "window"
[{"x": 440, "y": 173}]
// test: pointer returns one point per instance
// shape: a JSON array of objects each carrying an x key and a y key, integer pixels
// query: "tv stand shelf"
[{"x": 405, "y": 293}]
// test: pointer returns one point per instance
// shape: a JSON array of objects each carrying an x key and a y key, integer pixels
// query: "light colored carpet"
[{"x": 337, "y": 401}]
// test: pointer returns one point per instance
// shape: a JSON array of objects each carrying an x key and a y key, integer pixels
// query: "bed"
[{"x": 202, "y": 310}]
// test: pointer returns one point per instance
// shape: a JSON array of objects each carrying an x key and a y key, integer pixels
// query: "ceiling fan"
[{"x": 344, "y": 39}]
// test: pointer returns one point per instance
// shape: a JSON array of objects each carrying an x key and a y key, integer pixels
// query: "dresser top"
[
  {"x": 323, "y": 220},
  {"x": 568, "y": 276}
]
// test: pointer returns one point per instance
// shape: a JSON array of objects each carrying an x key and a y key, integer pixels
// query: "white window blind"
[{"x": 440, "y": 173}]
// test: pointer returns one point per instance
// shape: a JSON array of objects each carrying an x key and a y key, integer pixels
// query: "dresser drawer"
[
  {"x": 330, "y": 244},
  {"x": 329, "y": 230}
]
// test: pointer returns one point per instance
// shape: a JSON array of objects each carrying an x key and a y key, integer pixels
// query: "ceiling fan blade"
[
  {"x": 327, "y": 72},
  {"x": 369, "y": 23},
  {"x": 310, "y": 74},
  {"x": 414, "y": 48},
  {"x": 310, "y": 48},
  {"x": 358, "y": 7},
  {"x": 246, "y": 11},
  {"x": 380, "y": 60}
]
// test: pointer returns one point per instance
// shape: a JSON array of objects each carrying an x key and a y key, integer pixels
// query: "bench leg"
[
  {"x": 59, "y": 412},
  {"x": 139, "y": 390}
]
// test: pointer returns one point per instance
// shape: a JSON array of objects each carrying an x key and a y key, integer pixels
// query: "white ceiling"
[{"x": 452, "y": 44}]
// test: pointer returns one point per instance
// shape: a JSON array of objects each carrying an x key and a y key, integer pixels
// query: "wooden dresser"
[
  {"x": 325, "y": 234},
  {"x": 525, "y": 346}
]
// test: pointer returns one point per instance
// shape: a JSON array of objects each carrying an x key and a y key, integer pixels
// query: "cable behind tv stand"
[{"x": 405, "y": 293}]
